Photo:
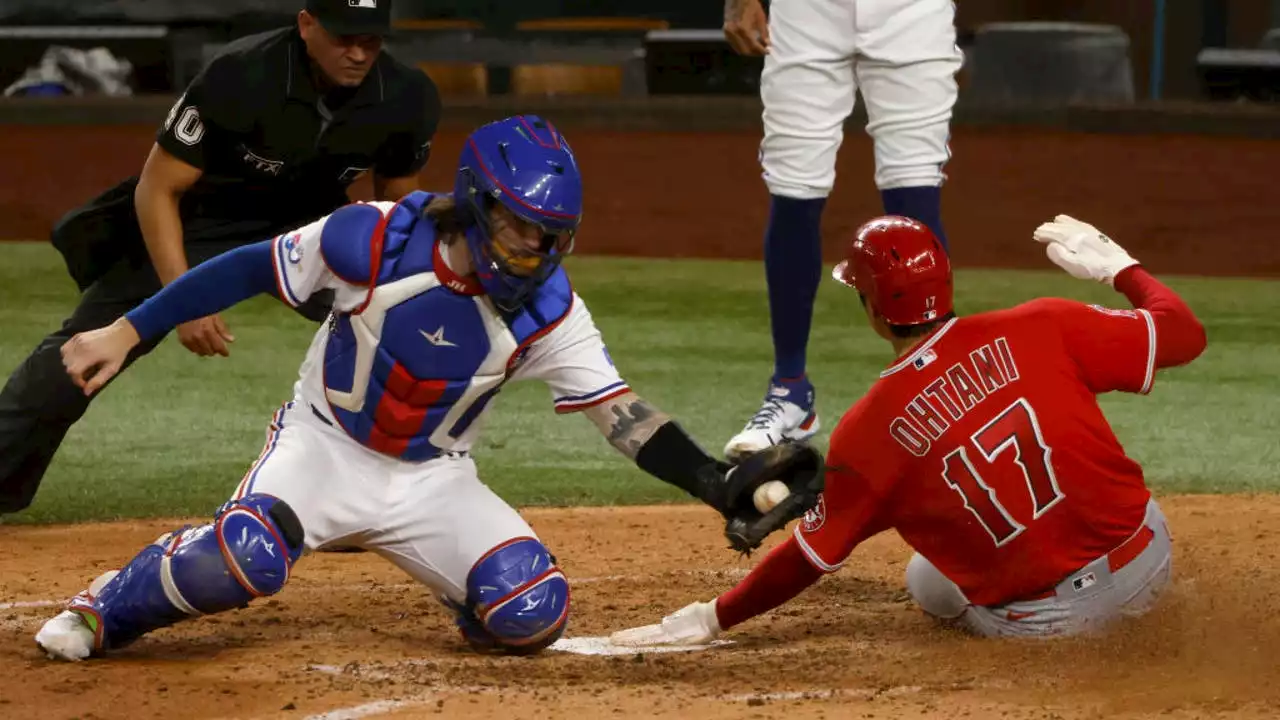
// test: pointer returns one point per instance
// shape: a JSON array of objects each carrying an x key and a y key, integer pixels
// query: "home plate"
[{"x": 602, "y": 646}]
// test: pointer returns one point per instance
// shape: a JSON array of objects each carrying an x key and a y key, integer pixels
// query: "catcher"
[
  {"x": 442, "y": 299},
  {"x": 983, "y": 446}
]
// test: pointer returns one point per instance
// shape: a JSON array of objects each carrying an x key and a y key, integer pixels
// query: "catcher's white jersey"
[
  {"x": 408, "y": 363},
  {"x": 372, "y": 450}
]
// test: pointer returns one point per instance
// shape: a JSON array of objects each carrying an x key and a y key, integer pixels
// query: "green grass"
[{"x": 175, "y": 433}]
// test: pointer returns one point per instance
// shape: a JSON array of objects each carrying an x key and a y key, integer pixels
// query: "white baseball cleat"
[
  {"x": 787, "y": 414},
  {"x": 66, "y": 637}
]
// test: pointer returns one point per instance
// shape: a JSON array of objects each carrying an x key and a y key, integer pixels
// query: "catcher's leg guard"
[
  {"x": 517, "y": 599},
  {"x": 245, "y": 553}
]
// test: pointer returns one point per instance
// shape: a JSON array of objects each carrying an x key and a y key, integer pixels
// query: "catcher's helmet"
[
  {"x": 899, "y": 266},
  {"x": 525, "y": 164}
]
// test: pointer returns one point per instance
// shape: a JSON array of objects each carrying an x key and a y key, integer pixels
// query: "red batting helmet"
[{"x": 899, "y": 266}]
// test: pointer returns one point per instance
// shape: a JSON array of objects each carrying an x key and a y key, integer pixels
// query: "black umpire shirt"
[{"x": 274, "y": 151}]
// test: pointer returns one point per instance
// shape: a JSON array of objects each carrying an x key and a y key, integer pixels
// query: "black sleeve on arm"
[
  {"x": 673, "y": 457},
  {"x": 406, "y": 150}
]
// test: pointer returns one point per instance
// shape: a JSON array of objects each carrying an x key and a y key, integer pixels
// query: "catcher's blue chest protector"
[{"x": 410, "y": 372}]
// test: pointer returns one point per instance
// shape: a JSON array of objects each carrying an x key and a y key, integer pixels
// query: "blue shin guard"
[
  {"x": 517, "y": 599},
  {"x": 245, "y": 553}
]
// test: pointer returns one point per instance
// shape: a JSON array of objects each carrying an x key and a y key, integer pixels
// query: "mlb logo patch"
[
  {"x": 1084, "y": 582},
  {"x": 363, "y": 3},
  {"x": 924, "y": 360},
  {"x": 292, "y": 248}
]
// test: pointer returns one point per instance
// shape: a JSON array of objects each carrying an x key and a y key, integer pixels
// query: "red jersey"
[{"x": 986, "y": 450}]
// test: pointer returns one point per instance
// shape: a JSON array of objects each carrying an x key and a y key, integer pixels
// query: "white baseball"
[{"x": 768, "y": 495}]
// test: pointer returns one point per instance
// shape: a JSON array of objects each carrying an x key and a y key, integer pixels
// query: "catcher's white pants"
[
  {"x": 434, "y": 520},
  {"x": 1087, "y": 600},
  {"x": 901, "y": 54}
]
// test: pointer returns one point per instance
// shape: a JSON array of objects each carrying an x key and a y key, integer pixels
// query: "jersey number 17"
[{"x": 1015, "y": 427}]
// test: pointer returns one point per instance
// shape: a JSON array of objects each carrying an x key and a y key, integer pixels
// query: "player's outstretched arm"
[
  {"x": 782, "y": 575},
  {"x": 660, "y": 447},
  {"x": 1087, "y": 253},
  {"x": 92, "y": 358}
]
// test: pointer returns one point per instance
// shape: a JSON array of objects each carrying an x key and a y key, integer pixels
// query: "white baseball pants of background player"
[
  {"x": 1087, "y": 600},
  {"x": 433, "y": 520},
  {"x": 901, "y": 55}
]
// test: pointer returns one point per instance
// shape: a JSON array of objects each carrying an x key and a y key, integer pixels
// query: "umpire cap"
[{"x": 352, "y": 17}]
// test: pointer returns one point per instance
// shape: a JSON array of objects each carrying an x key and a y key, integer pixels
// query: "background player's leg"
[
  {"x": 302, "y": 491},
  {"x": 906, "y": 69},
  {"x": 807, "y": 88},
  {"x": 453, "y": 534},
  {"x": 39, "y": 403}
]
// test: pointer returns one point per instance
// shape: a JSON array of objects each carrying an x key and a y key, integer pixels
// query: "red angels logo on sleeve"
[{"x": 815, "y": 516}]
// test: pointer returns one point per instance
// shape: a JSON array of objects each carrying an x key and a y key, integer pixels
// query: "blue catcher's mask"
[{"x": 523, "y": 165}]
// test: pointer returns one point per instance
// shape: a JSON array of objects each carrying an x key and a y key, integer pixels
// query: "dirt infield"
[
  {"x": 1186, "y": 204},
  {"x": 350, "y": 634}
]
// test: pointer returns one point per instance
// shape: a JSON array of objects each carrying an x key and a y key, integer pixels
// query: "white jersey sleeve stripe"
[
  {"x": 812, "y": 555},
  {"x": 589, "y": 396},
  {"x": 602, "y": 396},
  {"x": 1151, "y": 352},
  {"x": 278, "y": 261}
]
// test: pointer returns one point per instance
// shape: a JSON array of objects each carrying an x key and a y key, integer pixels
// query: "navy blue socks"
[
  {"x": 919, "y": 203},
  {"x": 793, "y": 268}
]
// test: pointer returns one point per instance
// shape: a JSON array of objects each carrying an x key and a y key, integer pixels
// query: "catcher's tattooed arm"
[
  {"x": 628, "y": 422},
  {"x": 660, "y": 447}
]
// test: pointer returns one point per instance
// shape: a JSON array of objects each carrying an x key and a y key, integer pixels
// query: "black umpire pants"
[{"x": 103, "y": 248}]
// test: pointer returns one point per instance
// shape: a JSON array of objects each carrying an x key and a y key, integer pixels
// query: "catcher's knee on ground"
[
  {"x": 932, "y": 591},
  {"x": 245, "y": 553},
  {"x": 517, "y": 599}
]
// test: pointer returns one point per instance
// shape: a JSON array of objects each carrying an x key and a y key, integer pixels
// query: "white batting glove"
[
  {"x": 1083, "y": 250},
  {"x": 694, "y": 624}
]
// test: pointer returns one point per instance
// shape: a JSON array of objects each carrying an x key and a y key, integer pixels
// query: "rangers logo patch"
[{"x": 815, "y": 516}]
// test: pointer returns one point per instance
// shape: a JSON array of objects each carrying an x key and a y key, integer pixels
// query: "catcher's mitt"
[{"x": 797, "y": 465}]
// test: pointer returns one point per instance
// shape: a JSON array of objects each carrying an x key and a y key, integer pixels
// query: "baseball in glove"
[{"x": 797, "y": 465}]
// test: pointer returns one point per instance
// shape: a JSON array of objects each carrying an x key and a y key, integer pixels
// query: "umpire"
[{"x": 268, "y": 137}]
